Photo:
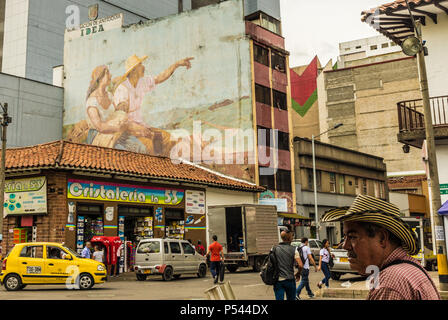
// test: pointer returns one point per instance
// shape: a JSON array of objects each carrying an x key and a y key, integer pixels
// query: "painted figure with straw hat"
[
  {"x": 129, "y": 92},
  {"x": 378, "y": 240}
]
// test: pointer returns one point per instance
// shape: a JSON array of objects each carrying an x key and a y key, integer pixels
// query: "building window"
[
  {"x": 357, "y": 188},
  {"x": 283, "y": 141},
  {"x": 332, "y": 182},
  {"x": 264, "y": 136},
  {"x": 280, "y": 100},
  {"x": 347, "y": 49},
  {"x": 311, "y": 180},
  {"x": 278, "y": 62},
  {"x": 261, "y": 55},
  {"x": 267, "y": 181},
  {"x": 341, "y": 184},
  {"x": 385, "y": 45},
  {"x": 358, "y": 47},
  {"x": 382, "y": 190},
  {"x": 376, "y": 186},
  {"x": 364, "y": 186},
  {"x": 263, "y": 94},
  {"x": 373, "y": 47},
  {"x": 393, "y": 44},
  {"x": 271, "y": 24},
  {"x": 283, "y": 178}
]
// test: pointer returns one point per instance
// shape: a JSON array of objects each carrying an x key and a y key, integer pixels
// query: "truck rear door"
[{"x": 217, "y": 225}]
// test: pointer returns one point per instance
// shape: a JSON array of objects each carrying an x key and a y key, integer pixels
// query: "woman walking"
[{"x": 324, "y": 263}]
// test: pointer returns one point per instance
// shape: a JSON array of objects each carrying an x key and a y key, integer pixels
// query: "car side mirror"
[{"x": 68, "y": 257}]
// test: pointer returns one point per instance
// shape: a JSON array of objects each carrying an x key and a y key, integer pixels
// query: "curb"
[{"x": 358, "y": 293}]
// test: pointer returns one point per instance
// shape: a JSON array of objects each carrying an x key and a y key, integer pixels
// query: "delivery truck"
[{"x": 246, "y": 232}]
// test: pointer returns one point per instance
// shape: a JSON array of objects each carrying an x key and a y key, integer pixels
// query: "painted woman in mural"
[
  {"x": 129, "y": 92},
  {"x": 103, "y": 120}
]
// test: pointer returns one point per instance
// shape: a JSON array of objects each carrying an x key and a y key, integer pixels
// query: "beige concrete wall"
[{"x": 365, "y": 100}]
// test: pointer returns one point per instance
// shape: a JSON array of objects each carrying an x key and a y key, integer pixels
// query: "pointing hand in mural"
[{"x": 165, "y": 75}]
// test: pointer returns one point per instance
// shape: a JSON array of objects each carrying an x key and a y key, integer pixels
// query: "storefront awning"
[
  {"x": 293, "y": 216},
  {"x": 444, "y": 209}
]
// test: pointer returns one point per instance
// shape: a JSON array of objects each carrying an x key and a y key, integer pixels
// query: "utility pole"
[
  {"x": 5, "y": 120},
  {"x": 432, "y": 166}
]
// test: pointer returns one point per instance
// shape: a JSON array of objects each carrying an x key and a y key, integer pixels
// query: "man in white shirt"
[{"x": 306, "y": 256}]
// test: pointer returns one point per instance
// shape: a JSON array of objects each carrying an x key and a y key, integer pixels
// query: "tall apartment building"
[
  {"x": 367, "y": 50},
  {"x": 237, "y": 80},
  {"x": 34, "y": 30}
]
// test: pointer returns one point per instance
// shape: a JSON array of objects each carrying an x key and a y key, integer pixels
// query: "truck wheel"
[
  {"x": 13, "y": 282},
  {"x": 335, "y": 275},
  {"x": 202, "y": 271},
  {"x": 141, "y": 277},
  {"x": 167, "y": 274},
  {"x": 232, "y": 268},
  {"x": 258, "y": 263}
]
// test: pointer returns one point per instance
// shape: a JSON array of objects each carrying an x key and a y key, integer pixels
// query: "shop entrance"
[
  {"x": 135, "y": 224},
  {"x": 90, "y": 221},
  {"x": 138, "y": 223},
  {"x": 174, "y": 223}
]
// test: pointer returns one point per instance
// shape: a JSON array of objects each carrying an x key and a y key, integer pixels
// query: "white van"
[{"x": 169, "y": 258}]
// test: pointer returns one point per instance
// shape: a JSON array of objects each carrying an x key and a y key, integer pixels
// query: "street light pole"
[
  {"x": 4, "y": 123},
  {"x": 432, "y": 167},
  {"x": 415, "y": 46},
  {"x": 316, "y": 212}
]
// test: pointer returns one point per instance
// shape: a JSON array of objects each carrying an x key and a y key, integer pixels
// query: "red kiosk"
[{"x": 112, "y": 244}]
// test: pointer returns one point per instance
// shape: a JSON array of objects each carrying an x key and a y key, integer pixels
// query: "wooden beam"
[
  {"x": 390, "y": 13},
  {"x": 438, "y": 5},
  {"x": 431, "y": 15}
]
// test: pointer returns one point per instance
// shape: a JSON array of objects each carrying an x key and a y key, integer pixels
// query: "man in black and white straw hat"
[{"x": 377, "y": 239}]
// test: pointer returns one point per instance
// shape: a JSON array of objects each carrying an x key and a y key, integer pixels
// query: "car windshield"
[
  {"x": 296, "y": 243},
  {"x": 149, "y": 247},
  {"x": 73, "y": 253}
]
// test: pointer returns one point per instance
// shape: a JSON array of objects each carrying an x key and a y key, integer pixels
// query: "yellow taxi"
[{"x": 39, "y": 263}]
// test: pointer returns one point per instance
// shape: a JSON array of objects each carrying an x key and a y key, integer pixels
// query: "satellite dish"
[{"x": 411, "y": 46}]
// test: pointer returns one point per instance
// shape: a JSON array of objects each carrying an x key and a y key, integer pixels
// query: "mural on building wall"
[
  {"x": 304, "y": 87},
  {"x": 151, "y": 80}
]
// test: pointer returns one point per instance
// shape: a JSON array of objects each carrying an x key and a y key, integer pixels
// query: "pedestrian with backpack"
[
  {"x": 325, "y": 263},
  {"x": 279, "y": 269},
  {"x": 306, "y": 257}
]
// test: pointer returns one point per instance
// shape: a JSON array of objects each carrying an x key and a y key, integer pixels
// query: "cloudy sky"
[{"x": 316, "y": 27}]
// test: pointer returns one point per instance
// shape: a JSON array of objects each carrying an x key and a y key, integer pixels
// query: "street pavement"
[{"x": 247, "y": 285}]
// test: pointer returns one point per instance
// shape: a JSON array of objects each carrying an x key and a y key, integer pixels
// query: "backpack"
[
  {"x": 301, "y": 254},
  {"x": 269, "y": 270}
]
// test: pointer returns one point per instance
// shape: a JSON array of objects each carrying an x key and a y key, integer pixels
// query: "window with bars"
[
  {"x": 261, "y": 55},
  {"x": 280, "y": 100},
  {"x": 283, "y": 141},
  {"x": 332, "y": 182},
  {"x": 267, "y": 181},
  {"x": 364, "y": 186},
  {"x": 278, "y": 62},
  {"x": 283, "y": 178},
  {"x": 311, "y": 179},
  {"x": 264, "y": 136},
  {"x": 263, "y": 94}
]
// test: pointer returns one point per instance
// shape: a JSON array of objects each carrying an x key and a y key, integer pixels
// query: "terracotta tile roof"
[
  {"x": 69, "y": 155},
  {"x": 398, "y": 5}
]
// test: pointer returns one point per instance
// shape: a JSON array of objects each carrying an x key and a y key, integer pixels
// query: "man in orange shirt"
[{"x": 215, "y": 249}]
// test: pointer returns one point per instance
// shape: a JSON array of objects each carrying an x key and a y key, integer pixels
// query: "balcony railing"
[{"x": 410, "y": 116}]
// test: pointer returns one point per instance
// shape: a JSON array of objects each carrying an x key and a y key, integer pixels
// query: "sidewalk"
[{"x": 358, "y": 290}]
